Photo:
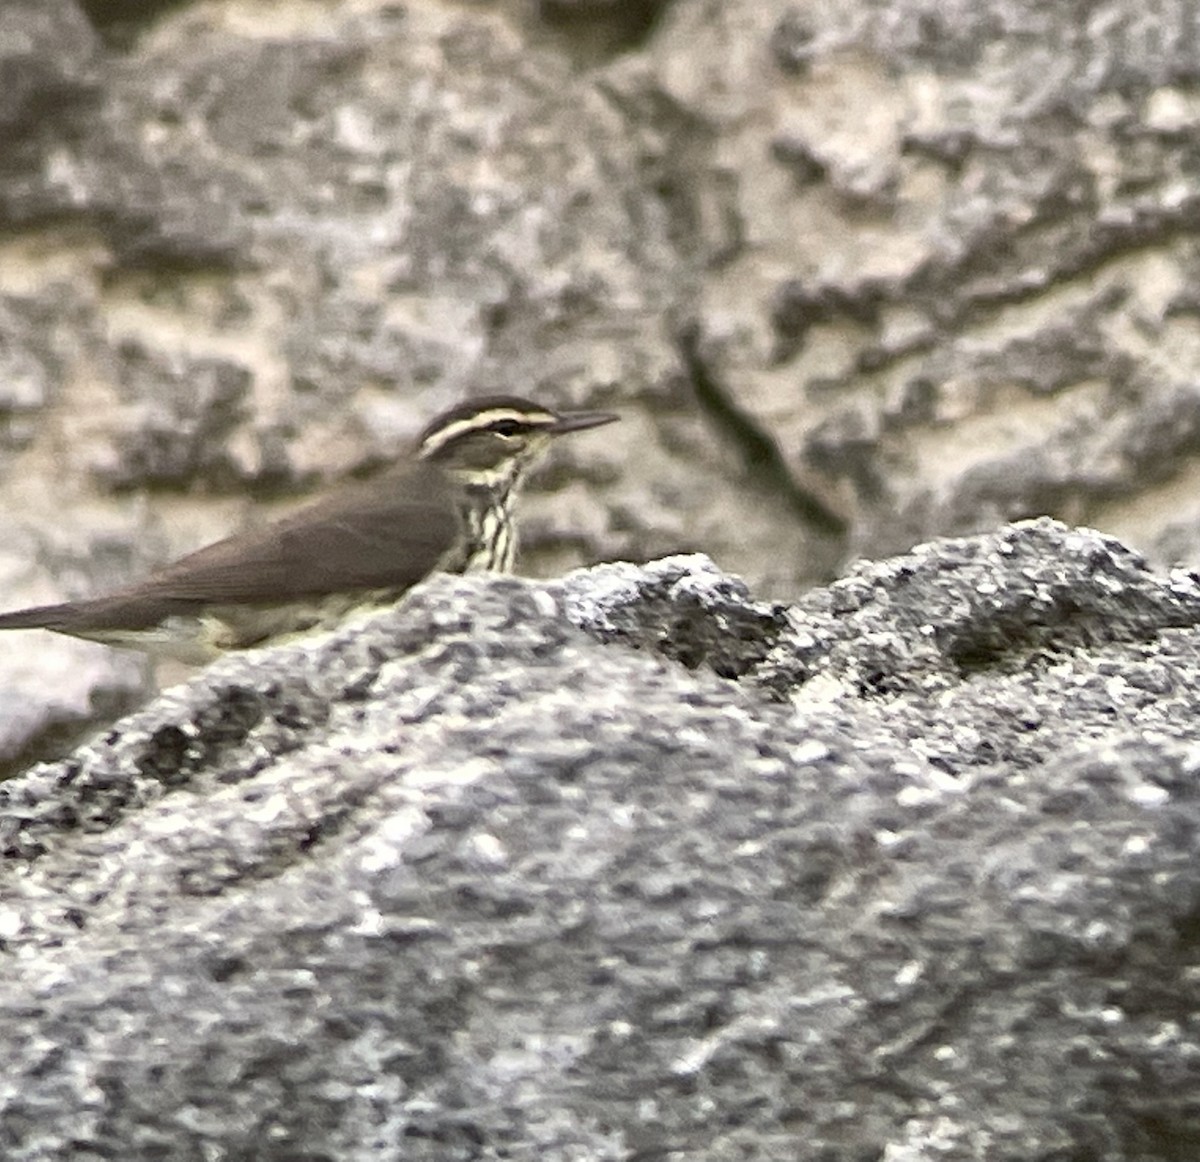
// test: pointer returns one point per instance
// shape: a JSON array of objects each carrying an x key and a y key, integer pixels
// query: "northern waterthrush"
[{"x": 448, "y": 508}]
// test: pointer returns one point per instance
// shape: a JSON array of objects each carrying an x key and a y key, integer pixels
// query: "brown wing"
[{"x": 384, "y": 534}]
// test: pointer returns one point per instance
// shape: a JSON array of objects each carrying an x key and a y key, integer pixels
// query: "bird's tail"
[{"x": 36, "y": 617}]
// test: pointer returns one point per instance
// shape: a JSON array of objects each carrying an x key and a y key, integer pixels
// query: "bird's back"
[{"x": 365, "y": 544}]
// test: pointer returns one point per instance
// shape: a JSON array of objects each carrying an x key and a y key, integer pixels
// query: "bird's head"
[{"x": 491, "y": 442}]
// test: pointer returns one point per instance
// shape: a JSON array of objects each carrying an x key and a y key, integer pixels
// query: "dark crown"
[{"x": 483, "y": 434}]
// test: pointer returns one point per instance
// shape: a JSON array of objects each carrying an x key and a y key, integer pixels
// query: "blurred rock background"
[{"x": 856, "y": 275}]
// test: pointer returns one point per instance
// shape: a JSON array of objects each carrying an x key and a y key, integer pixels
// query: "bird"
[{"x": 447, "y": 507}]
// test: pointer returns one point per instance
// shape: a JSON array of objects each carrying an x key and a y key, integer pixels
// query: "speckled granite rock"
[{"x": 490, "y": 876}]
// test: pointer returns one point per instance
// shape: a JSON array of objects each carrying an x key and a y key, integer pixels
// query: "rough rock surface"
[{"x": 497, "y": 876}]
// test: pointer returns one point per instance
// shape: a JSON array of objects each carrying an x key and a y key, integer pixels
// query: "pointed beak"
[{"x": 581, "y": 421}]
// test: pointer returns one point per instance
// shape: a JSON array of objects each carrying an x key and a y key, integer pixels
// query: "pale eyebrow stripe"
[{"x": 482, "y": 420}]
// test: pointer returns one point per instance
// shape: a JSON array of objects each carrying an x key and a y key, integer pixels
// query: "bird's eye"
[{"x": 506, "y": 428}]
